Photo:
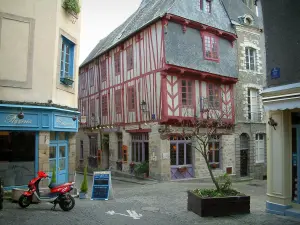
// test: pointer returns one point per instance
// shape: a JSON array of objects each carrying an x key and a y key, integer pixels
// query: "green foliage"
[
  {"x": 72, "y": 6},
  {"x": 84, "y": 185},
  {"x": 141, "y": 168},
  {"x": 53, "y": 178},
  {"x": 226, "y": 190}
]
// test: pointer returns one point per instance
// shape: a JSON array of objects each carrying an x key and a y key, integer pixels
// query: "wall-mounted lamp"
[
  {"x": 272, "y": 123},
  {"x": 21, "y": 115},
  {"x": 74, "y": 118},
  {"x": 143, "y": 106}
]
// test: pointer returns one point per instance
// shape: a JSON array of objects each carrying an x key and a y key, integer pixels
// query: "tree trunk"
[{"x": 212, "y": 175}]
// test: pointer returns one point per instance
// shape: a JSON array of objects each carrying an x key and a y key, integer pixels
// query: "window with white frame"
[
  {"x": 254, "y": 113},
  {"x": 250, "y": 59},
  {"x": 260, "y": 148},
  {"x": 214, "y": 151},
  {"x": 205, "y": 5},
  {"x": 67, "y": 59}
]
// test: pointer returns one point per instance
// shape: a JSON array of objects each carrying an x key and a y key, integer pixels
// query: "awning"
[{"x": 282, "y": 104}]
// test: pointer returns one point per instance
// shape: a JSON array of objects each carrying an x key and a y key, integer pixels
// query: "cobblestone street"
[{"x": 162, "y": 203}]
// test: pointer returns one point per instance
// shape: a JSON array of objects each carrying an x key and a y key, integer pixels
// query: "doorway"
[
  {"x": 244, "y": 155},
  {"x": 58, "y": 156}
]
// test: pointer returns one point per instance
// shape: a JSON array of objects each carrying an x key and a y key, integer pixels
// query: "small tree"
[
  {"x": 84, "y": 184},
  {"x": 53, "y": 178},
  {"x": 203, "y": 130}
]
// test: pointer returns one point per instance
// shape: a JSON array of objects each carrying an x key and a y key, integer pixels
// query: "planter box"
[
  {"x": 205, "y": 207},
  {"x": 83, "y": 195}
]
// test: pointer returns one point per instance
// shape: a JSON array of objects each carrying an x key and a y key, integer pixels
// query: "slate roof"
[
  {"x": 237, "y": 9},
  {"x": 151, "y": 10}
]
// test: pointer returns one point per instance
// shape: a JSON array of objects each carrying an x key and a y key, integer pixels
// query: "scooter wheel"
[
  {"x": 67, "y": 203},
  {"x": 24, "y": 201}
]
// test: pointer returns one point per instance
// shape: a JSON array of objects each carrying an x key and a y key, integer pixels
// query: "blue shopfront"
[{"x": 35, "y": 138}]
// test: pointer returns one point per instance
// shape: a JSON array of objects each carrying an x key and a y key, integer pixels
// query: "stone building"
[
  {"x": 149, "y": 74},
  {"x": 250, "y": 127},
  {"x": 38, "y": 95},
  {"x": 281, "y": 101}
]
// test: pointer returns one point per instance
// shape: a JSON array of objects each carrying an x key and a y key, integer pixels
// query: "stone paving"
[{"x": 162, "y": 203}]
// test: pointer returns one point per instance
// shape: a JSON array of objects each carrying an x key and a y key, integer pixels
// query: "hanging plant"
[{"x": 72, "y": 6}]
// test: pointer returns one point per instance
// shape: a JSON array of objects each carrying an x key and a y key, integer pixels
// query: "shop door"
[{"x": 58, "y": 160}]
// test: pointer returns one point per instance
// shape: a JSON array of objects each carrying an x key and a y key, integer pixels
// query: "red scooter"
[{"x": 59, "y": 194}]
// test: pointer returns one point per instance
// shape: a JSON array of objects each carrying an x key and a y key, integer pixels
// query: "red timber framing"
[{"x": 153, "y": 80}]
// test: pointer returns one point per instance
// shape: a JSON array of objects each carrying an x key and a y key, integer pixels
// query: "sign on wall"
[
  {"x": 275, "y": 73},
  {"x": 102, "y": 185}
]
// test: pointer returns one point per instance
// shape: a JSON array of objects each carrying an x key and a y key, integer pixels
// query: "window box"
[
  {"x": 224, "y": 206},
  {"x": 68, "y": 81}
]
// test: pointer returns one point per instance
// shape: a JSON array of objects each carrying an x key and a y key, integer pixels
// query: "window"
[
  {"x": 214, "y": 151},
  {"x": 250, "y": 58},
  {"x": 129, "y": 57},
  {"x": 140, "y": 147},
  {"x": 131, "y": 98},
  {"x": 81, "y": 150},
  {"x": 67, "y": 58},
  {"x": 104, "y": 105},
  {"x": 254, "y": 113},
  {"x": 260, "y": 148},
  {"x": 117, "y": 63},
  {"x": 118, "y": 102},
  {"x": 92, "y": 107},
  {"x": 205, "y": 5},
  {"x": 186, "y": 93},
  {"x": 210, "y": 47},
  {"x": 103, "y": 70},
  {"x": 91, "y": 77},
  {"x": 180, "y": 151},
  {"x": 93, "y": 145},
  {"x": 213, "y": 96}
]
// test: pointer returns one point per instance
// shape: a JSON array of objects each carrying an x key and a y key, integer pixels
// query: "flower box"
[
  {"x": 224, "y": 206},
  {"x": 67, "y": 81}
]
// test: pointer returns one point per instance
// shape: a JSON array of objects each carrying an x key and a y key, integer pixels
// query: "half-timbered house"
[{"x": 151, "y": 73}]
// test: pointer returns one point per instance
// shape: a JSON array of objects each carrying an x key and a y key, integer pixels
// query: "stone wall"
[
  {"x": 113, "y": 150},
  {"x": 44, "y": 139},
  {"x": 72, "y": 155}
]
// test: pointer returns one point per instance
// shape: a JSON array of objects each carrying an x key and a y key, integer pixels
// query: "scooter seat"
[{"x": 53, "y": 185}]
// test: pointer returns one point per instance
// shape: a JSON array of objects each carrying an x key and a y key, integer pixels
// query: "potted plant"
[
  {"x": 71, "y": 6},
  {"x": 67, "y": 80},
  {"x": 84, "y": 185},
  {"x": 221, "y": 200},
  {"x": 182, "y": 169},
  {"x": 142, "y": 170},
  {"x": 53, "y": 177}
]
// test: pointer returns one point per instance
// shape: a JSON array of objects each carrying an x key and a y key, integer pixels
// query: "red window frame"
[
  {"x": 103, "y": 70},
  {"x": 104, "y": 105},
  {"x": 210, "y": 47},
  {"x": 118, "y": 102},
  {"x": 214, "y": 96},
  {"x": 91, "y": 77},
  {"x": 129, "y": 57},
  {"x": 117, "y": 59},
  {"x": 131, "y": 98},
  {"x": 186, "y": 92}
]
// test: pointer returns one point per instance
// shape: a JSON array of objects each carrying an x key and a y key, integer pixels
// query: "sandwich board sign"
[{"x": 102, "y": 186}]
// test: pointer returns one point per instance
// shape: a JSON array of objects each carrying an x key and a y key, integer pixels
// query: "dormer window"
[
  {"x": 205, "y": 5},
  {"x": 210, "y": 46}
]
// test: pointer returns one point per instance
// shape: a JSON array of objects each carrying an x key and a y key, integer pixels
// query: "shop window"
[
  {"x": 260, "y": 148},
  {"x": 181, "y": 151},
  {"x": 140, "y": 148},
  {"x": 61, "y": 136},
  {"x": 214, "y": 151},
  {"x": 214, "y": 96},
  {"x": 17, "y": 157}
]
